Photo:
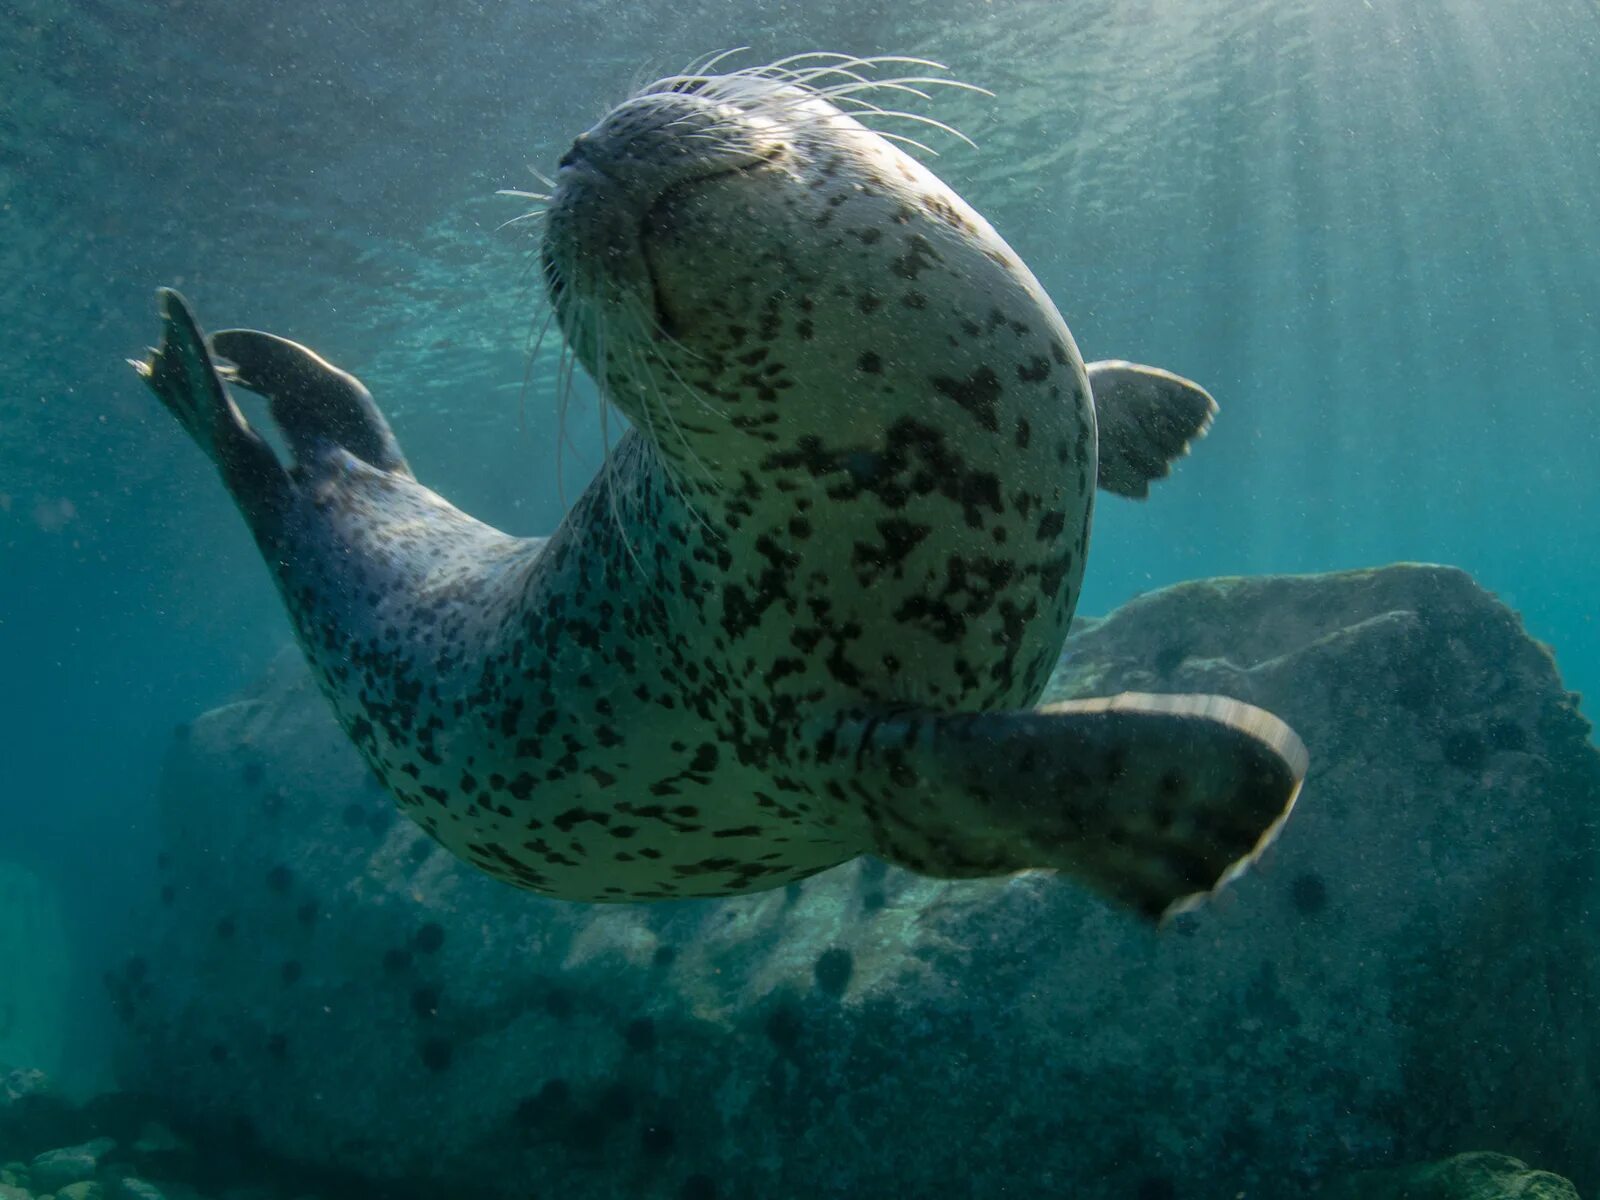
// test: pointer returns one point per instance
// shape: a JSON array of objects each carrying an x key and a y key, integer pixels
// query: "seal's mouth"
[{"x": 658, "y": 218}]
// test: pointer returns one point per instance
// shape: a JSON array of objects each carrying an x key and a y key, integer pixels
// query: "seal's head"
[{"x": 741, "y": 263}]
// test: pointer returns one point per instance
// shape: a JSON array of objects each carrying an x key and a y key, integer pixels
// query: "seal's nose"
[{"x": 576, "y": 152}]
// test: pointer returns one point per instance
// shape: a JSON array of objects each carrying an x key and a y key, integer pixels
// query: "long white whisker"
[
  {"x": 905, "y": 141},
  {"x": 536, "y": 215},
  {"x": 638, "y": 372}
]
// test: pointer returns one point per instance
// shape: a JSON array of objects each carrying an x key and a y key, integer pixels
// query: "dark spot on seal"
[
  {"x": 978, "y": 394},
  {"x": 425, "y": 1002},
  {"x": 870, "y": 363},
  {"x": 1156, "y": 1187},
  {"x": 277, "y": 1047},
  {"x": 558, "y": 1004},
  {"x": 655, "y": 1141},
  {"x": 436, "y": 1054},
  {"x": 664, "y": 956},
  {"x": 306, "y": 914},
  {"x": 253, "y": 773},
  {"x": 698, "y": 1187},
  {"x": 428, "y": 939},
  {"x": 617, "y": 1103},
  {"x": 833, "y": 969},
  {"x": 640, "y": 1035},
  {"x": 219, "y": 1053},
  {"x": 1035, "y": 370},
  {"x": 783, "y": 1028},
  {"x": 225, "y": 928},
  {"x": 1308, "y": 893},
  {"x": 290, "y": 972},
  {"x": 396, "y": 960},
  {"x": 279, "y": 879}
]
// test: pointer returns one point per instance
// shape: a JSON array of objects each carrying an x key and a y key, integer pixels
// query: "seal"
[{"x": 805, "y": 611}]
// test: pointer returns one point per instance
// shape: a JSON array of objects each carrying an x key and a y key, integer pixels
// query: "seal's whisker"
[
  {"x": 647, "y": 323},
  {"x": 709, "y": 64},
  {"x": 521, "y": 195},
  {"x": 960, "y": 85},
  {"x": 639, "y": 372},
  {"x": 636, "y": 311},
  {"x": 931, "y": 122},
  {"x": 530, "y": 353},
  {"x": 608, "y": 463},
  {"x": 906, "y": 141},
  {"x": 808, "y": 80},
  {"x": 535, "y": 216}
]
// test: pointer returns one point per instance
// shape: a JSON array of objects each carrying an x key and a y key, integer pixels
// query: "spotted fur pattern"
[{"x": 860, "y": 482}]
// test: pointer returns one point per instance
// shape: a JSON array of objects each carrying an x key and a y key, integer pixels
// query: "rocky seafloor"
[{"x": 1411, "y": 972}]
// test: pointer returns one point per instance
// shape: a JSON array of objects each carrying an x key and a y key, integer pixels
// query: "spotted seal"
[{"x": 804, "y": 613}]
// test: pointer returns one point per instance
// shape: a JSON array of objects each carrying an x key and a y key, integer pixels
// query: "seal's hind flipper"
[
  {"x": 182, "y": 374},
  {"x": 1147, "y": 419},
  {"x": 317, "y": 405},
  {"x": 1154, "y": 801}
]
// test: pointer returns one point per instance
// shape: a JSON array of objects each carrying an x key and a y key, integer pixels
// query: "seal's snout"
[{"x": 574, "y": 152}]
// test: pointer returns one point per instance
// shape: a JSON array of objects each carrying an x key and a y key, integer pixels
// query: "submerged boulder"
[
  {"x": 55, "y": 1169},
  {"x": 1464, "y": 1177},
  {"x": 1410, "y": 969}
]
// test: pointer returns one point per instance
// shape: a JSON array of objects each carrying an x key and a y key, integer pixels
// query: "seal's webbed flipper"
[
  {"x": 1153, "y": 801},
  {"x": 1147, "y": 419},
  {"x": 182, "y": 374},
  {"x": 318, "y": 406}
]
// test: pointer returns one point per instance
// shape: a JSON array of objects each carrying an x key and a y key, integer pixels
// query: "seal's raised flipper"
[
  {"x": 1147, "y": 419},
  {"x": 318, "y": 406},
  {"x": 182, "y": 374},
  {"x": 1154, "y": 801}
]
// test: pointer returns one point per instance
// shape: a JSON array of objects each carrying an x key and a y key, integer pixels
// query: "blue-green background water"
[{"x": 1368, "y": 226}]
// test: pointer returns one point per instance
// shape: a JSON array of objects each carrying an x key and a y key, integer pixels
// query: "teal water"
[{"x": 1367, "y": 226}]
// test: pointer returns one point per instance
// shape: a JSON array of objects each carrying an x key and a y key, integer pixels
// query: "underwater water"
[{"x": 1366, "y": 227}]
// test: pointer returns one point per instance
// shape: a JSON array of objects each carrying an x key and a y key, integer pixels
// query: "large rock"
[
  {"x": 1412, "y": 968},
  {"x": 1464, "y": 1177},
  {"x": 55, "y": 1169}
]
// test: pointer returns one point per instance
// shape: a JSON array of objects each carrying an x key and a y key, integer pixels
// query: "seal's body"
[{"x": 802, "y": 614}]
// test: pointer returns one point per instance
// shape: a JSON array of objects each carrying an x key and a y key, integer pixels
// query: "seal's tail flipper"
[
  {"x": 1147, "y": 419},
  {"x": 182, "y": 374},
  {"x": 1153, "y": 801},
  {"x": 318, "y": 406}
]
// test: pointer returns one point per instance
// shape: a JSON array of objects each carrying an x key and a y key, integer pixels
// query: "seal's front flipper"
[
  {"x": 1154, "y": 801},
  {"x": 182, "y": 374},
  {"x": 318, "y": 406},
  {"x": 1147, "y": 419}
]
